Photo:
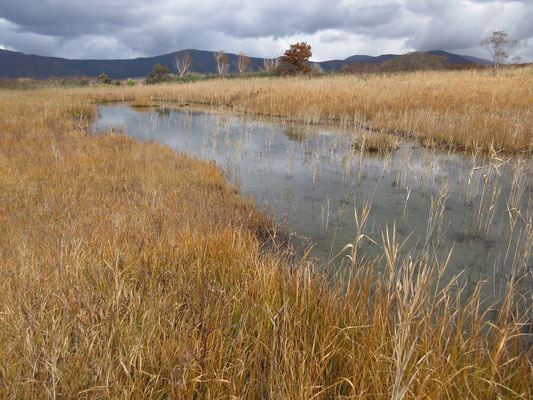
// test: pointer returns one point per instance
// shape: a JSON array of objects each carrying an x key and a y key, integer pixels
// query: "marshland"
[{"x": 326, "y": 237}]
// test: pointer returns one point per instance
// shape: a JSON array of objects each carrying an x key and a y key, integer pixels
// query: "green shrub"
[
  {"x": 103, "y": 78},
  {"x": 159, "y": 74}
]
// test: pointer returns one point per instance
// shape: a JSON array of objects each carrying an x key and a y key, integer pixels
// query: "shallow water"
[{"x": 313, "y": 179}]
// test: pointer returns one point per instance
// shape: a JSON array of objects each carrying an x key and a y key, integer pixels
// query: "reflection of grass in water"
[
  {"x": 481, "y": 219},
  {"x": 289, "y": 161}
]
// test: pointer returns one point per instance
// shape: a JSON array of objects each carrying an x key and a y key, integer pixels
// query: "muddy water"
[{"x": 313, "y": 179}]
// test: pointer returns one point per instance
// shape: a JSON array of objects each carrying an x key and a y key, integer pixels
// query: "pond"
[{"x": 315, "y": 180}]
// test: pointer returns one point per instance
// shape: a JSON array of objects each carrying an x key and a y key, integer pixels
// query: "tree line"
[{"x": 296, "y": 61}]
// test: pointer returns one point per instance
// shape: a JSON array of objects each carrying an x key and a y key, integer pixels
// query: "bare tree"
[
  {"x": 222, "y": 62},
  {"x": 183, "y": 64},
  {"x": 270, "y": 64},
  {"x": 499, "y": 45},
  {"x": 242, "y": 63}
]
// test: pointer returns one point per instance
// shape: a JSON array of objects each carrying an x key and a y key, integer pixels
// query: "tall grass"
[
  {"x": 130, "y": 271},
  {"x": 453, "y": 109}
]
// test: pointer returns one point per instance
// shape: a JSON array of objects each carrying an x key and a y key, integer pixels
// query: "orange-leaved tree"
[{"x": 296, "y": 59}]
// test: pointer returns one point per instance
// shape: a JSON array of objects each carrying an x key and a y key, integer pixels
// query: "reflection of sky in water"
[{"x": 313, "y": 178}]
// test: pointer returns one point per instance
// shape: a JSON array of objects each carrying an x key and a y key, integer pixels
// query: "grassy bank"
[
  {"x": 450, "y": 109},
  {"x": 130, "y": 271}
]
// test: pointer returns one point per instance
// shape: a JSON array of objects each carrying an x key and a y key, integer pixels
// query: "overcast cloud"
[{"x": 335, "y": 29}]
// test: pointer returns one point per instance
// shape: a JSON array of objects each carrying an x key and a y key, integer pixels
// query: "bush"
[
  {"x": 103, "y": 78},
  {"x": 131, "y": 82},
  {"x": 159, "y": 74}
]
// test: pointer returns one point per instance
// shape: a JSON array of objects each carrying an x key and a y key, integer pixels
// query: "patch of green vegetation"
[
  {"x": 194, "y": 78},
  {"x": 191, "y": 78},
  {"x": 159, "y": 74}
]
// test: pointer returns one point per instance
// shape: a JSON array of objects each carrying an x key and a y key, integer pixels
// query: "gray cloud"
[
  {"x": 335, "y": 29},
  {"x": 459, "y": 26}
]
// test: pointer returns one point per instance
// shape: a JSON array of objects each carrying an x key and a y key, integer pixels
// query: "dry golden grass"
[
  {"x": 376, "y": 142},
  {"x": 458, "y": 109},
  {"x": 129, "y": 271}
]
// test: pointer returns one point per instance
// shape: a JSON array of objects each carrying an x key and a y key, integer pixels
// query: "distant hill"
[
  {"x": 451, "y": 58},
  {"x": 458, "y": 59},
  {"x": 371, "y": 60},
  {"x": 18, "y": 65},
  {"x": 477, "y": 60}
]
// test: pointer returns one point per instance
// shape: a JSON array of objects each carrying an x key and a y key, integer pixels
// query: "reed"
[
  {"x": 130, "y": 271},
  {"x": 434, "y": 227},
  {"x": 289, "y": 161},
  {"x": 376, "y": 142},
  {"x": 487, "y": 205},
  {"x": 452, "y": 109}
]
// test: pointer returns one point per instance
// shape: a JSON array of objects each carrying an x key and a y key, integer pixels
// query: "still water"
[{"x": 314, "y": 179}]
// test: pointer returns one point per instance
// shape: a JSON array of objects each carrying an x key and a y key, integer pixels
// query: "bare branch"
[
  {"x": 183, "y": 64},
  {"x": 499, "y": 45},
  {"x": 270, "y": 64}
]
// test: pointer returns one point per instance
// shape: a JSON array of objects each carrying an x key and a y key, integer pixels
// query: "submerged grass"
[{"x": 130, "y": 271}]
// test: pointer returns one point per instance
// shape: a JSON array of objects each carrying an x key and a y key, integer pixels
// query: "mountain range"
[{"x": 19, "y": 65}]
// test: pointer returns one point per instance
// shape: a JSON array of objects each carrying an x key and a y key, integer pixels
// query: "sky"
[{"x": 111, "y": 29}]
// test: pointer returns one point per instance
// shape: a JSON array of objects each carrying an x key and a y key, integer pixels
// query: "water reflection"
[{"x": 315, "y": 178}]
